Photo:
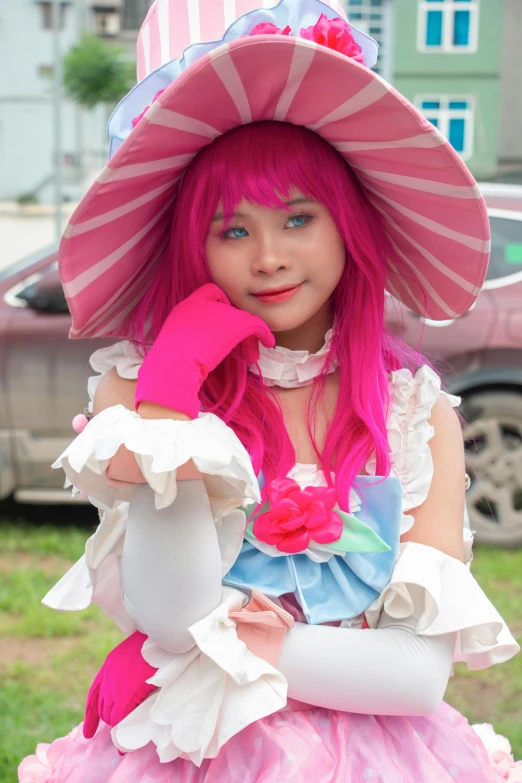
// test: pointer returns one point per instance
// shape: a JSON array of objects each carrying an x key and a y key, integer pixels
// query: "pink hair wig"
[{"x": 261, "y": 162}]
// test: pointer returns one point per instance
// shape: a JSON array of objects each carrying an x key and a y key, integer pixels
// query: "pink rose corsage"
[
  {"x": 301, "y": 518},
  {"x": 335, "y": 34},
  {"x": 298, "y": 516},
  {"x": 138, "y": 118}
]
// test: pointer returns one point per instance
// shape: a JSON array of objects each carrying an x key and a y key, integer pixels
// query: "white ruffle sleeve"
[
  {"x": 453, "y": 602},
  {"x": 123, "y": 355},
  {"x": 206, "y": 695},
  {"x": 412, "y": 398},
  {"x": 160, "y": 448}
]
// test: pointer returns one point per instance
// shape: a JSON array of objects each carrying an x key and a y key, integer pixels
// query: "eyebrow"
[{"x": 291, "y": 203}]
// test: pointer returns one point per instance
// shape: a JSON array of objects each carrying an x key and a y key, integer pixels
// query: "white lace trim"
[
  {"x": 122, "y": 355},
  {"x": 289, "y": 369},
  {"x": 226, "y": 686},
  {"x": 160, "y": 446},
  {"x": 453, "y": 602},
  {"x": 412, "y": 398},
  {"x": 279, "y": 366}
]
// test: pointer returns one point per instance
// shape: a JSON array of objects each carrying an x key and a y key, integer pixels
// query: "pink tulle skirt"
[{"x": 295, "y": 747}]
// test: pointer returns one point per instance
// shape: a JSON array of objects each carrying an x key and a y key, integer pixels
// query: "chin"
[{"x": 283, "y": 324}]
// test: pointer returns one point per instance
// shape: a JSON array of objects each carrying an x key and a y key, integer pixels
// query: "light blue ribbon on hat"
[
  {"x": 346, "y": 585},
  {"x": 296, "y": 13}
]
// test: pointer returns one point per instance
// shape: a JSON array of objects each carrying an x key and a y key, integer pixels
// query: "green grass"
[{"x": 48, "y": 659}]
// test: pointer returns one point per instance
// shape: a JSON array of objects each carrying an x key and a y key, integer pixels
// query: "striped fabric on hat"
[
  {"x": 429, "y": 203},
  {"x": 168, "y": 30}
]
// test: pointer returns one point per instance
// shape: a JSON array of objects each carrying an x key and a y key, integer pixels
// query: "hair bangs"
[
  {"x": 264, "y": 166},
  {"x": 262, "y": 163}
]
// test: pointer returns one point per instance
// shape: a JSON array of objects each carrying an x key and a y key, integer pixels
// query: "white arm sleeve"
[
  {"x": 389, "y": 670},
  {"x": 171, "y": 578},
  {"x": 171, "y": 564}
]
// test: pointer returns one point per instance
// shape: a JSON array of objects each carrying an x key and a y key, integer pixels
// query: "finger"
[
  {"x": 92, "y": 718},
  {"x": 209, "y": 292},
  {"x": 252, "y": 325},
  {"x": 265, "y": 336}
]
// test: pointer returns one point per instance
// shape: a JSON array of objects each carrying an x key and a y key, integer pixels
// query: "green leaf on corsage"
[{"x": 357, "y": 537}]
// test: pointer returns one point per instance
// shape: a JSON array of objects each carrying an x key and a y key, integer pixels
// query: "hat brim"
[{"x": 429, "y": 203}]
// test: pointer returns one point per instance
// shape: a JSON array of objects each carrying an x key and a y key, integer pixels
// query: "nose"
[{"x": 269, "y": 255}]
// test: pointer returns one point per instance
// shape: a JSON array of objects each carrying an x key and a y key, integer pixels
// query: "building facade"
[
  {"x": 27, "y": 90},
  {"x": 446, "y": 58},
  {"x": 459, "y": 61},
  {"x": 510, "y": 134}
]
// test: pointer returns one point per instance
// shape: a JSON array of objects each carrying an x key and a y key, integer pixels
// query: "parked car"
[
  {"x": 43, "y": 378},
  {"x": 480, "y": 354}
]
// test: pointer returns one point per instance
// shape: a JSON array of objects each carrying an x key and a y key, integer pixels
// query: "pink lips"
[{"x": 280, "y": 295}]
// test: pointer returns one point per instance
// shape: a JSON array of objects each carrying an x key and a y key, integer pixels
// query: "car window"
[
  {"x": 506, "y": 248},
  {"x": 45, "y": 294}
]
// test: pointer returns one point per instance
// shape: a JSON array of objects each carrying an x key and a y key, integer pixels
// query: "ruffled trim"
[
  {"x": 161, "y": 446},
  {"x": 289, "y": 369},
  {"x": 499, "y": 753},
  {"x": 298, "y": 13},
  {"x": 206, "y": 695},
  {"x": 123, "y": 355},
  {"x": 453, "y": 602},
  {"x": 412, "y": 398}
]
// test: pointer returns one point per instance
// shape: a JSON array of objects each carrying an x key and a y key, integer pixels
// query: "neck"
[{"x": 310, "y": 335}]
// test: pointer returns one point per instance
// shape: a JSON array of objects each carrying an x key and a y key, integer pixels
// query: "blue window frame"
[
  {"x": 370, "y": 17},
  {"x": 448, "y": 25},
  {"x": 454, "y": 117}
]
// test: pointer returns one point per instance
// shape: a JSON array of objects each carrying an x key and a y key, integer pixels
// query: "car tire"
[{"x": 493, "y": 444}]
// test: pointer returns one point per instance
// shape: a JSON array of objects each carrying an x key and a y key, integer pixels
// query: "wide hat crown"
[{"x": 201, "y": 75}]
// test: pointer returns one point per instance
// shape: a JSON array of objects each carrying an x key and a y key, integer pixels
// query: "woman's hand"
[
  {"x": 120, "y": 686},
  {"x": 198, "y": 334}
]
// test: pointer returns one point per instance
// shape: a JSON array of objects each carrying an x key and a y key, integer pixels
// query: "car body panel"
[{"x": 43, "y": 379}]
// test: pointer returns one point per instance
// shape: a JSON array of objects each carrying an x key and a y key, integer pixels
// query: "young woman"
[{"x": 281, "y": 480}]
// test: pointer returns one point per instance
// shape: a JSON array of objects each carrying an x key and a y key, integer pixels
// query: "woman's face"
[{"x": 279, "y": 264}]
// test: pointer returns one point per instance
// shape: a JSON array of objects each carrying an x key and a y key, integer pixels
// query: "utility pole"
[
  {"x": 57, "y": 117},
  {"x": 81, "y": 27}
]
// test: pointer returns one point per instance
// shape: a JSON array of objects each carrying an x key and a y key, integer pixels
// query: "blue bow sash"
[{"x": 343, "y": 587}]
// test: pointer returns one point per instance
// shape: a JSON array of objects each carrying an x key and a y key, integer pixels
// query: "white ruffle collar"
[{"x": 289, "y": 369}]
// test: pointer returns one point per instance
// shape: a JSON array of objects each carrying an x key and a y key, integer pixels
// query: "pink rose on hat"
[
  {"x": 335, "y": 34},
  {"x": 267, "y": 28},
  {"x": 298, "y": 516}
]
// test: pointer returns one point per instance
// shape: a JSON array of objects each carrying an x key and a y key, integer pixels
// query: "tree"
[{"x": 96, "y": 72}]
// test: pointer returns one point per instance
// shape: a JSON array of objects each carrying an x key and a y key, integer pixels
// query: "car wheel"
[{"x": 493, "y": 444}]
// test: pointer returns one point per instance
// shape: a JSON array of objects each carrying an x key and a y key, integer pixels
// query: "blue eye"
[
  {"x": 235, "y": 233},
  {"x": 300, "y": 220}
]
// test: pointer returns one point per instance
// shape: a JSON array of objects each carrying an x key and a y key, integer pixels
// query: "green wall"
[{"x": 418, "y": 73}]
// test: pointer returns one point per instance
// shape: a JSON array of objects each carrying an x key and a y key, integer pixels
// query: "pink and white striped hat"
[{"x": 211, "y": 81}]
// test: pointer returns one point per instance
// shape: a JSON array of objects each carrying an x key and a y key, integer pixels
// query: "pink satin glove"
[
  {"x": 120, "y": 686},
  {"x": 198, "y": 334}
]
